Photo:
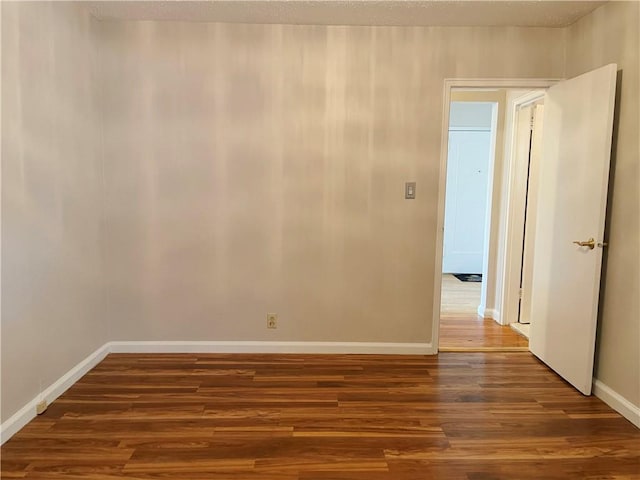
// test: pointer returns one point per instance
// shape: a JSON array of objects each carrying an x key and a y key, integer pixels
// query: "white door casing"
[
  {"x": 515, "y": 212},
  {"x": 572, "y": 196},
  {"x": 528, "y": 250}
]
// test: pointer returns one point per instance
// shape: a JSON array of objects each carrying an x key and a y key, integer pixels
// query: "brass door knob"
[{"x": 591, "y": 243}]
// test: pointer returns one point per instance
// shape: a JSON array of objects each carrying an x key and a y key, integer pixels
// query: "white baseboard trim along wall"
[
  {"x": 23, "y": 416},
  {"x": 273, "y": 347},
  {"x": 616, "y": 401},
  {"x": 27, "y": 413},
  {"x": 489, "y": 313}
]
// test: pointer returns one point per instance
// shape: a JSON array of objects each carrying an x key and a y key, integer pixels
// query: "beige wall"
[
  {"x": 610, "y": 35},
  {"x": 254, "y": 169},
  {"x": 52, "y": 292}
]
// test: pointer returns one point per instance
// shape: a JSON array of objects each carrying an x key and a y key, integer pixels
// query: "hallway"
[{"x": 461, "y": 329}]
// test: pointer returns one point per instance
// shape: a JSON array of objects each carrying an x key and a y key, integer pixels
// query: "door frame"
[
  {"x": 493, "y": 181},
  {"x": 515, "y": 212}
]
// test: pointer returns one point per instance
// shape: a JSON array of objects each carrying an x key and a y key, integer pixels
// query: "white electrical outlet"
[{"x": 272, "y": 320}]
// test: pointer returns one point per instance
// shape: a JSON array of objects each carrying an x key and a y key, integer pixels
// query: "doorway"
[
  {"x": 473, "y": 124},
  {"x": 569, "y": 228},
  {"x": 475, "y": 128},
  {"x": 478, "y": 166}
]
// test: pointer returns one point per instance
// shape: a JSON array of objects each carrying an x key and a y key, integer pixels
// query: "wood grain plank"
[{"x": 467, "y": 416}]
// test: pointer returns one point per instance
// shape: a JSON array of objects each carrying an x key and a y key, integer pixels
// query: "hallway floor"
[{"x": 461, "y": 329}]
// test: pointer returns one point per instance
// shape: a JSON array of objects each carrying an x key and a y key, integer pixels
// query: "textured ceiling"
[{"x": 538, "y": 13}]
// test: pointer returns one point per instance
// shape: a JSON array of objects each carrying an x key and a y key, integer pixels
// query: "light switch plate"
[{"x": 410, "y": 190}]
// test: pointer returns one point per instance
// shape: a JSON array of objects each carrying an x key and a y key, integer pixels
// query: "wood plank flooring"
[
  {"x": 459, "y": 298},
  {"x": 466, "y": 416},
  {"x": 478, "y": 334},
  {"x": 461, "y": 329}
]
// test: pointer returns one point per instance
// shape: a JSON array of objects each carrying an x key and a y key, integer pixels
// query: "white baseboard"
[
  {"x": 616, "y": 401},
  {"x": 489, "y": 313},
  {"x": 27, "y": 413},
  {"x": 272, "y": 347}
]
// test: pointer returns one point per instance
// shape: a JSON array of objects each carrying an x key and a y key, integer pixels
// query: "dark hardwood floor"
[{"x": 471, "y": 416}]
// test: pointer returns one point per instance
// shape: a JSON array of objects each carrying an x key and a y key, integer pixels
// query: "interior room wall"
[
  {"x": 261, "y": 168},
  {"x": 470, "y": 115},
  {"x": 610, "y": 35},
  {"x": 52, "y": 291}
]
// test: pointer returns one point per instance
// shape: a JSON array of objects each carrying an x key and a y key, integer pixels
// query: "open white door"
[{"x": 572, "y": 196}]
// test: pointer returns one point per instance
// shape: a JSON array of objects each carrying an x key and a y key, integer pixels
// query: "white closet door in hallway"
[{"x": 466, "y": 199}]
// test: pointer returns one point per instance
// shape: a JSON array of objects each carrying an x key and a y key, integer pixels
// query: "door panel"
[
  {"x": 466, "y": 200},
  {"x": 572, "y": 194}
]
